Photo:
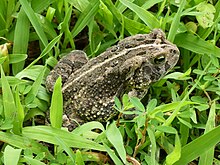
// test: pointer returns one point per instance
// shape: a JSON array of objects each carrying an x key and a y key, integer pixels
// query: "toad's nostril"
[{"x": 174, "y": 51}]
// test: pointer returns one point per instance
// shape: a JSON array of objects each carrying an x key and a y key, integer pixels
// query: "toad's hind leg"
[{"x": 65, "y": 67}]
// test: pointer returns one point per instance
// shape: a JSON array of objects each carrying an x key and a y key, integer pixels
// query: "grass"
[{"x": 179, "y": 124}]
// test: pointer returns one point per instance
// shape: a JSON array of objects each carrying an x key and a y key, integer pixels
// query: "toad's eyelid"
[
  {"x": 161, "y": 56},
  {"x": 159, "y": 59}
]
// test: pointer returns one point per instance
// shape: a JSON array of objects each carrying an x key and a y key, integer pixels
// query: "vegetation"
[{"x": 178, "y": 125}]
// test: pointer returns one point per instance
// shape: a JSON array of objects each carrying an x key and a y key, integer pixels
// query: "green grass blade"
[
  {"x": 3, "y": 59},
  {"x": 85, "y": 17},
  {"x": 148, "y": 18},
  {"x": 46, "y": 50},
  {"x": 39, "y": 6},
  {"x": 134, "y": 27},
  {"x": 114, "y": 136},
  {"x": 47, "y": 26},
  {"x": 86, "y": 129},
  {"x": 121, "y": 8},
  {"x": 66, "y": 148},
  {"x": 33, "y": 161},
  {"x": 35, "y": 87},
  {"x": 153, "y": 145},
  {"x": 50, "y": 14},
  {"x": 148, "y": 4},
  {"x": 21, "y": 39},
  {"x": 79, "y": 4},
  {"x": 65, "y": 28},
  {"x": 18, "y": 122},
  {"x": 207, "y": 157},
  {"x": 169, "y": 107},
  {"x": 176, "y": 153},
  {"x": 112, "y": 155},
  {"x": 79, "y": 158},
  {"x": 23, "y": 143},
  {"x": 199, "y": 146},
  {"x": 196, "y": 44},
  {"x": 176, "y": 21},
  {"x": 34, "y": 21},
  {"x": 15, "y": 58},
  {"x": 31, "y": 73},
  {"x": 13, "y": 81},
  {"x": 166, "y": 129},
  {"x": 50, "y": 135},
  {"x": 3, "y": 8},
  {"x": 10, "y": 11},
  {"x": 8, "y": 98},
  {"x": 11, "y": 155},
  {"x": 184, "y": 131},
  {"x": 56, "y": 109}
]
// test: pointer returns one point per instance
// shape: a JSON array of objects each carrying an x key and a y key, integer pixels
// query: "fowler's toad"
[{"x": 89, "y": 86}]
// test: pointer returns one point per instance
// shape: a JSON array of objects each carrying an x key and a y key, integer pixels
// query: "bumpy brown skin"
[{"x": 128, "y": 67}]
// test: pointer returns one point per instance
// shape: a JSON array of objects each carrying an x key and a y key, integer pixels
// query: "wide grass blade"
[
  {"x": 21, "y": 38},
  {"x": 86, "y": 129},
  {"x": 79, "y": 158},
  {"x": 15, "y": 58},
  {"x": 50, "y": 135},
  {"x": 11, "y": 155},
  {"x": 34, "y": 21},
  {"x": 23, "y": 143},
  {"x": 13, "y": 81},
  {"x": 208, "y": 156},
  {"x": 56, "y": 109},
  {"x": 114, "y": 136},
  {"x": 196, "y": 44},
  {"x": 8, "y": 98},
  {"x": 31, "y": 73},
  {"x": 199, "y": 146},
  {"x": 148, "y": 18},
  {"x": 176, "y": 153},
  {"x": 153, "y": 146}
]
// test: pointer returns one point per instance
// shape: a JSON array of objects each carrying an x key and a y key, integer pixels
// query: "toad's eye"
[{"x": 159, "y": 59}]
